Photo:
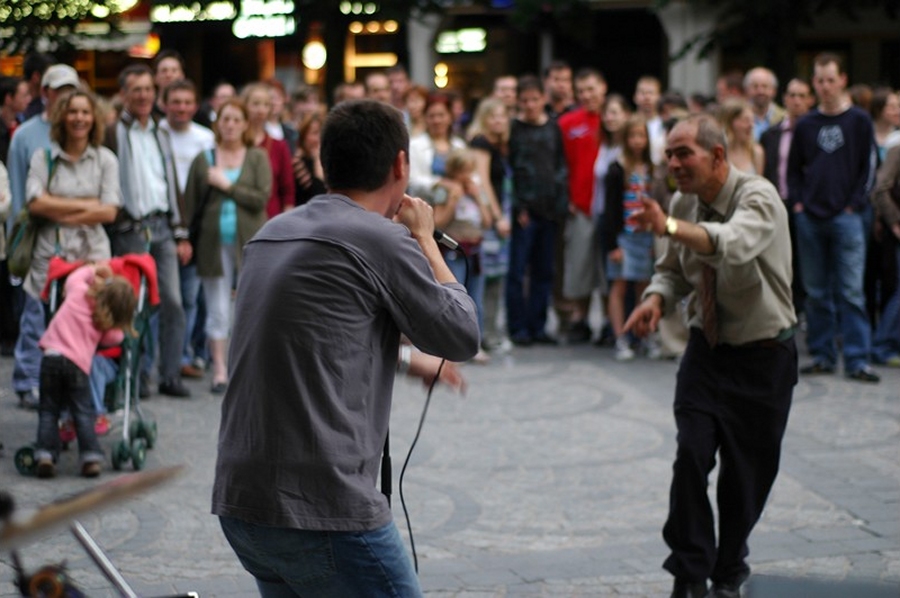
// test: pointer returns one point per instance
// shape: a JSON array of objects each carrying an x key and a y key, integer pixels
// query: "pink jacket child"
[{"x": 97, "y": 309}]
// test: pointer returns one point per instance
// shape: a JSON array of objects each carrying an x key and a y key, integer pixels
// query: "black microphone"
[{"x": 444, "y": 240}]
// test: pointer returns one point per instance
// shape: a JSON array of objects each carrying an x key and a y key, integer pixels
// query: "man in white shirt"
[
  {"x": 188, "y": 140},
  {"x": 647, "y": 92},
  {"x": 760, "y": 87},
  {"x": 150, "y": 221}
]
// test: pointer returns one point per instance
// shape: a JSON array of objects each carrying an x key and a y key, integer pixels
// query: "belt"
[
  {"x": 158, "y": 214},
  {"x": 768, "y": 343}
]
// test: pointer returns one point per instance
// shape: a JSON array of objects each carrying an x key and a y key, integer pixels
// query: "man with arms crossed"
[
  {"x": 324, "y": 294},
  {"x": 730, "y": 248}
]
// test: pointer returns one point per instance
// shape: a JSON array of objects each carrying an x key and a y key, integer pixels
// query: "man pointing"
[{"x": 730, "y": 251}]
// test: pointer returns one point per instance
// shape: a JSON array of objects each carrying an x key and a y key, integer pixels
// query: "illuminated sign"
[
  {"x": 215, "y": 11},
  {"x": 473, "y": 39},
  {"x": 265, "y": 18}
]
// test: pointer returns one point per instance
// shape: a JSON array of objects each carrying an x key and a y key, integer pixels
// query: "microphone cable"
[{"x": 450, "y": 243}]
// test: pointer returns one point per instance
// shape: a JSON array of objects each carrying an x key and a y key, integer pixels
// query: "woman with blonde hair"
[
  {"x": 745, "y": 154},
  {"x": 488, "y": 136},
  {"x": 257, "y": 97}
]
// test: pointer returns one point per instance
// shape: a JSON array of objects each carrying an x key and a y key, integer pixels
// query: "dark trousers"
[
  {"x": 12, "y": 298},
  {"x": 531, "y": 252},
  {"x": 65, "y": 385},
  {"x": 734, "y": 401}
]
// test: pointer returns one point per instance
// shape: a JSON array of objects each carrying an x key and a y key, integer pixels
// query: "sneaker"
[
  {"x": 90, "y": 469},
  {"x": 651, "y": 347},
  {"x": 864, "y": 374},
  {"x": 101, "y": 425},
  {"x": 144, "y": 386},
  {"x": 45, "y": 468},
  {"x": 893, "y": 361},
  {"x": 623, "y": 349},
  {"x": 67, "y": 431}
]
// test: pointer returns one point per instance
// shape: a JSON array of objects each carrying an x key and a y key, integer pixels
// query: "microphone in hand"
[{"x": 443, "y": 239}]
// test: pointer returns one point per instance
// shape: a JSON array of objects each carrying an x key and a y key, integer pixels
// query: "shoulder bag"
[{"x": 23, "y": 237}]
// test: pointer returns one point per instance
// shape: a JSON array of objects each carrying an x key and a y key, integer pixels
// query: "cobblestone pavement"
[{"x": 550, "y": 478}]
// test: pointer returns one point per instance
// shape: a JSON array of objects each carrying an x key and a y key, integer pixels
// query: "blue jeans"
[
  {"x": 103, "y": 371},
  {"x": 832, "y": 261},
  {"x": 292, "y": 562},
  {"x": 886, "y": 343},
  {"x": 474, "y": 283},
  {"x": 27, "y": 366},
  {"x": 190, "y": 300},
  {"x": 531, "y": 251},
  {"x": 170, "y": 314},
  {"x": 64, "y": 385}
]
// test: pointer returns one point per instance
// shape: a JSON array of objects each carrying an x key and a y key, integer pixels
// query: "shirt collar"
[{"x": 722, "y": 202}]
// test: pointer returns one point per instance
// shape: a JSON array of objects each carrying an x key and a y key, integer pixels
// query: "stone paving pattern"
[{"x": 549, "y": 478}]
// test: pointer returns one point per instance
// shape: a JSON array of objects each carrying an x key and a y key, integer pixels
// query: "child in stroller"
[{"x": 98, "y": 309}]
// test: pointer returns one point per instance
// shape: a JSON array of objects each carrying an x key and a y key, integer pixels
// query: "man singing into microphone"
[{"x": 324, "y": 294}]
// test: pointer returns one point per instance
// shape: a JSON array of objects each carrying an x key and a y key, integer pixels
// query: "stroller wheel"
[
  {"x": 138, "y": 453},
  {"x": 26, "y": 464},
  {"x": 120, "y": 454},
  {"x": 147, "y": 431}
]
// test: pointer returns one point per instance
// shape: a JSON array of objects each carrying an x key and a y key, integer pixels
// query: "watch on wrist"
[{"x": 671, "y": 226}]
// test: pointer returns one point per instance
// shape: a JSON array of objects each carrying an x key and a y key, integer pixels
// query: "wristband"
[{"x": 405, "y": 359}]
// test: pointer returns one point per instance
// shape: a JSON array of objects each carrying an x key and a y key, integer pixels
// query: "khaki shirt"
[
  {"x": 94, "y": 174},
  {"x": 748, "y": 225}
]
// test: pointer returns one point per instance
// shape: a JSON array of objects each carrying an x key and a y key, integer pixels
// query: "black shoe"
[
  {"x": 544, "y": 339},
  {"x": 607, "y": 337},
  {"x": 174, "y": 388},
  {"x": 817, "y": 367},
  {"x": 688, "y": 589},
  {"x": 520, "y": 339},
  {"x": 725, "y": 590},
  {"x": 29, "y": 399},
  {"x": 144, "y": 386},
  {"x": 864, "y": 374},
  {"x": 579, "y": 332}
]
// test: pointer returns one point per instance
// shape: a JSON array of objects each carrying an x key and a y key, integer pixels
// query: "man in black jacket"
[{"x": 776, "y": 141}]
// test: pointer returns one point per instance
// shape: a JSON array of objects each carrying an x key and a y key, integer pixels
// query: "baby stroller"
[{"x": 138, "y": 432}]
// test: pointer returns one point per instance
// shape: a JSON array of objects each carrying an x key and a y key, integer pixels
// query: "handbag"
[{"x": 23, "y": 237}]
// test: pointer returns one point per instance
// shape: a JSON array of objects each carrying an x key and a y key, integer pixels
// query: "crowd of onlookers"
[{"x": 535, "y": 180}]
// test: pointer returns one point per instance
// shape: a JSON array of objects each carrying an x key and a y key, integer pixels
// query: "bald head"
[{"x": 760, "y": 87}]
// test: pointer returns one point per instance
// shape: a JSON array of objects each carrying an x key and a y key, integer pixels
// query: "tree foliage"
[
  {"x": 27, "y": 25},
  {"x": 51, "y": 25},
  {"x": 766, "y": 30}
]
